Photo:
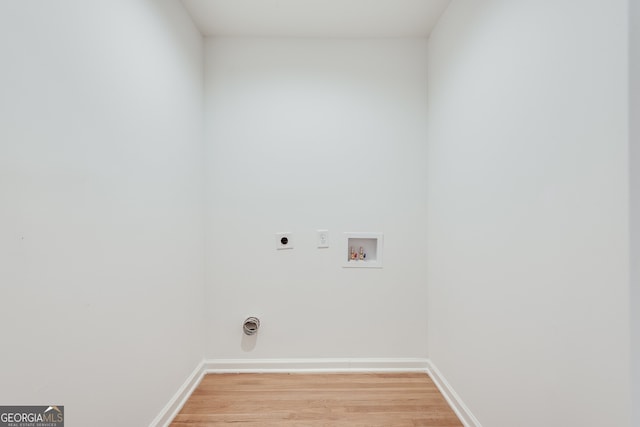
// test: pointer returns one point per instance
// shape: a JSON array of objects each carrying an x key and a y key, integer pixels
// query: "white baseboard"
[
  {"x": 452, "y": 398},
  {"x": 314, "y": 365},
  {"x": 178, "y": 400}
]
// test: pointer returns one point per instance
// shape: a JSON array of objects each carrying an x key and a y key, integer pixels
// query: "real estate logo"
[{"x": 32, "y": 416}]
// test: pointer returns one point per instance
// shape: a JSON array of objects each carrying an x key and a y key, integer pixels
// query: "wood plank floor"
[{"x": 370, "y": 400}]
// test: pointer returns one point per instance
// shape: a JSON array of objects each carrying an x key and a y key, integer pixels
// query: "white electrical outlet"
[
  {"x": 284, "y": 240},
  {"x": 323, "y": 238}
]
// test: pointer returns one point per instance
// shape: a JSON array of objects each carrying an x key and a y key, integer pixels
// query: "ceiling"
[{"x": 316, "y": 18}]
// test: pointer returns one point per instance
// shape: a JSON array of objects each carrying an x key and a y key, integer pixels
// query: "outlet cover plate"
[
  {"x": 323, "y": 238},
  {"x": 284, "y": 240}
]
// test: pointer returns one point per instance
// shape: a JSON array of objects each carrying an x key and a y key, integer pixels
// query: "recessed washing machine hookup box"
[{"x": 363, "y": 250}]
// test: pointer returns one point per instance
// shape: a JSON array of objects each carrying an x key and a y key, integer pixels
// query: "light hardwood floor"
[{"x": 407, "y": 399}]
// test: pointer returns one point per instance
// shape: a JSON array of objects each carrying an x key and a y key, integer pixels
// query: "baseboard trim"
[
  {"x": 178, "y": 400},
  {"x": 452, "y": 398},
  {"x": 313, "y": 365}
]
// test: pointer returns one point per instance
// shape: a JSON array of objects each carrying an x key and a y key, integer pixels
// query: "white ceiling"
[{"x": 316, "y": 18}]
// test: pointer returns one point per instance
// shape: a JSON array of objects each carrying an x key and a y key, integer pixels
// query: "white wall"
[
  {"x": 634, "y": 141},
  {"x": 528, "y": 210},
  {"x": 307, "y": 134},
  {"x": 101, "y": 226}
]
